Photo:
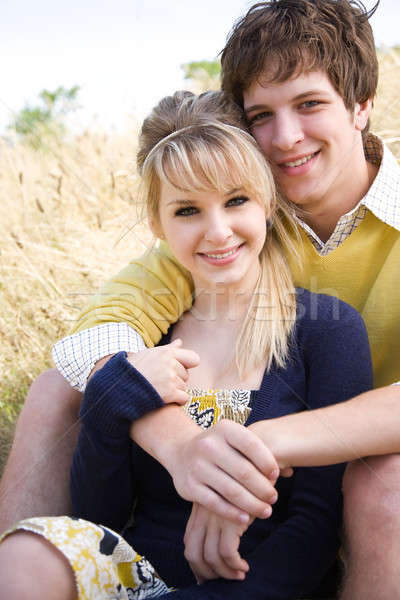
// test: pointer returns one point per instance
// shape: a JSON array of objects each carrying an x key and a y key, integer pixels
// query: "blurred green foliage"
[
  {"x": 35, "y": 124},
  {"x": 205, "y": 74}
]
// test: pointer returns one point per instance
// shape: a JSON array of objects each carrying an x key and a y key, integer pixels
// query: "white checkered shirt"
[{"x": 76, "y": 355}]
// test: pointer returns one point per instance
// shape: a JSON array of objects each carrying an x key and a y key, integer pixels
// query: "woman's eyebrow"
[
  {"x": 185, "y": 201},
  {"x": 180, "y": 201}
]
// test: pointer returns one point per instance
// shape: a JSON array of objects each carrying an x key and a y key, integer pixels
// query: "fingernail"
[
  {"x": 244, "y": 518},
  {"x": 267, "y": 512},
  {"x": 274, "y": 474},
  {"x": 274, "y": 498}
]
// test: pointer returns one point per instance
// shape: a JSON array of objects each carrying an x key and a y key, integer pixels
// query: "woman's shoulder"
[{"x": 323, "y": 310}]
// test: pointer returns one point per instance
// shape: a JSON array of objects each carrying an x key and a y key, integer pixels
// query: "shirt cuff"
[{"x": 76, "y": 355}]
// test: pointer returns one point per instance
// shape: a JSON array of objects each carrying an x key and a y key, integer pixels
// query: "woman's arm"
[{"x": 102, "y": 486}]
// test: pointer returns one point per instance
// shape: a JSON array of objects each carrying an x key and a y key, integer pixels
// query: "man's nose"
[{"x": 287, "y": 132}]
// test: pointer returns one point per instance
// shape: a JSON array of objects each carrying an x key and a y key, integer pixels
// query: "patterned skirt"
[{"x": 104, "y": 565}]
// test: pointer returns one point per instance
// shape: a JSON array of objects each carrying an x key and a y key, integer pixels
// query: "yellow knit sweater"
[
  {"x": 152, "y": 292},
  {"x": 365, "y": 272}
]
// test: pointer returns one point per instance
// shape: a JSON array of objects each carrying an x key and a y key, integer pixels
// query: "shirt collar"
[{"x": 383, "y": 197}]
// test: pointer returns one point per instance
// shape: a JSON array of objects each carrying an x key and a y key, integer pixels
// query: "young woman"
[{"x": 265, "y": 350}]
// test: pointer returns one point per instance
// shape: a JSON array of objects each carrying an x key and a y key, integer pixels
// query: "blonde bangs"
[{"x": 216, "y": 157}]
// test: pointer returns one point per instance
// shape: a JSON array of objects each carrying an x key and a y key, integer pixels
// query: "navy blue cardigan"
[{"x": 290, "y": 552}]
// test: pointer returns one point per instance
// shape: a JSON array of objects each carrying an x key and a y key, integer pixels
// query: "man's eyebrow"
[
  {"x": 315, "y": 92},
  {"x": 301, "y": 96}
]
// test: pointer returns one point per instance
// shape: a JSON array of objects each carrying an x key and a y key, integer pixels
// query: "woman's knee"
[{"x": 31, "y": 567}]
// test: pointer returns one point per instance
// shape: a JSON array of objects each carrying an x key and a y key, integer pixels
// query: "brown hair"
[
  {"x": 181, "y": 110},
  {"x": 198, "y": 143},
  {"x": 282, "y": 38}
]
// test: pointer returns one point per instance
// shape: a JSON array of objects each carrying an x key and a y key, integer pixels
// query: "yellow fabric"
[
  {"x": 207, "y": 407},
  {"x": 149, "y": 294},
  {"x": 152, "y": 292},
  {"x": 364, "y": 271},
  {"x": 99, "y": 574}
]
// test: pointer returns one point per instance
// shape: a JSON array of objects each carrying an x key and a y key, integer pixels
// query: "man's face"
[{"x": 312, "y": 141}]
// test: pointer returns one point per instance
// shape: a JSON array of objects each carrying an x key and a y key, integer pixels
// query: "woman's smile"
[
  {"x": 217, "y": 237},
  {"x": 222, "y": 257}
]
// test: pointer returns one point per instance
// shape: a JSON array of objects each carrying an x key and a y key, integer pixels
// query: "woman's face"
[{"x": 217, "y": 237}]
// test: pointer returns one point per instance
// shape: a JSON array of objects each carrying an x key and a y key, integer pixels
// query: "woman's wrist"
[{"x": 164, "y": 434}]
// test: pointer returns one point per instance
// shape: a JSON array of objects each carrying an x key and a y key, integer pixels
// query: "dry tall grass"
[
  {"x": 386, "y": 115},
  {"x": 63, "y": 213}
]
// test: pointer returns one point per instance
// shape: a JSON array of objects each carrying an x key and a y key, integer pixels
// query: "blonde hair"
[{"x": 199, "y": 144}]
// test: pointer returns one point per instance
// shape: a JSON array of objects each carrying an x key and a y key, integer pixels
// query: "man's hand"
[
  {"x": 212, "y": 546},
  {"x": 224, "y": 467},
  {"x": 166, "y": 368}
]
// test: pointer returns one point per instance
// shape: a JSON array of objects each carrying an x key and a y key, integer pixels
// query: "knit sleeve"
[
  {"x": 116, "y": 395},
  {"x": 149, "y": 295},
  {"x": 102, "y": 478}
]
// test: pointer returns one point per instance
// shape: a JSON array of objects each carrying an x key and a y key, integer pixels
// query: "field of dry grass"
[
  {"x": 63, "y": 214},
  {"x": 66, "y": 225},
  {"x": 386, "y": 114}
]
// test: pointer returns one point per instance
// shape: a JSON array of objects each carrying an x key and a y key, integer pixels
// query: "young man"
[{"x": 305, "y": 72}]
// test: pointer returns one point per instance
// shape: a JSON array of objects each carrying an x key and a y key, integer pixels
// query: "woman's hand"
[
  {"x": 166, "y": 368},
  {"x": 224, "y": 467},
  {"x": 212, "y": 546}
]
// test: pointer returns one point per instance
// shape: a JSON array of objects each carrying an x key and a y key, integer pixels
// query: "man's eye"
[
  {"x": 186, "y": 211},
  {"x": 310, "y": 104},
  {"x": 258, "y": 117},
  {"x": 237, "y": 201}
]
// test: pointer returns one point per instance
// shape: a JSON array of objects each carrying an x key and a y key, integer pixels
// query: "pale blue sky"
[{"x": 125, "y": 54}]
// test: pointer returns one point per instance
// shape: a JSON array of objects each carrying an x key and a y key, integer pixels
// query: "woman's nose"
[{"x": 218, "y": 229}]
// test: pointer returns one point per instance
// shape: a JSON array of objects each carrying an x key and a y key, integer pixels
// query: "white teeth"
[
  {"x": 301, "y": 161},
  {"x": 221, "y": 255}
]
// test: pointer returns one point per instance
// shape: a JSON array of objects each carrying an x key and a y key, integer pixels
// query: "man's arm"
[
  {"x": 367, "y": 425},
  {"x": 149, "y": 295}
]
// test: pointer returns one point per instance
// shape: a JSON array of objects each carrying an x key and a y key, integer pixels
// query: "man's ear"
[{"x": 362, "y": 112}]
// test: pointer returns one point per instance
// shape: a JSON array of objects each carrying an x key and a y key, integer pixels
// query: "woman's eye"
[
  {"x": 186, "y": 211},
  {"x": 237, "y": 201}
]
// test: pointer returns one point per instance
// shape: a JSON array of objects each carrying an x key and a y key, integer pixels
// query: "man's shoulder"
[{"x": 383, "y": 197}]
